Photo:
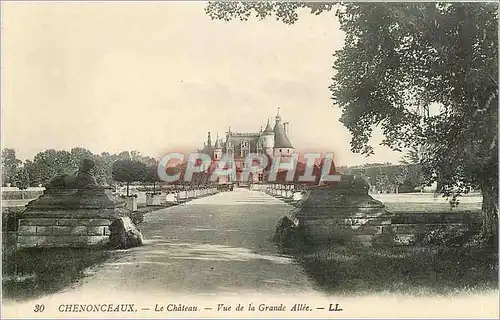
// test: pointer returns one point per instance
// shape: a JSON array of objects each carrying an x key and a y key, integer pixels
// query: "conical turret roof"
[
  {"x": 217, "y": 143},
  {"x": 268, "y": 127},
  {"x": 280, "y": 138}
]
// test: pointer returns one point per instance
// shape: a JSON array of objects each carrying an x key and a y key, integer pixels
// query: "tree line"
[
  {"x": 386, "y": 178},
  {"x": 110, "y": 169},
  {"x": 128, "y": 167}
]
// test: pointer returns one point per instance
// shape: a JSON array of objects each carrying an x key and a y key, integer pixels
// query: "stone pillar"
[
  {"x": 154, "y": 199},
  {"x": 340, "y": 213},
  {"x": 70, "y": 218},
  {"x": 131, "y": 203}
]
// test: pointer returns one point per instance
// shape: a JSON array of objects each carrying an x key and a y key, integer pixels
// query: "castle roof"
[
  {"x": 217, "y": 144},
  {"x": 207, "y": 149},
  {"x": 268, "y": 127},
  {"x": 280, "y": 138}
]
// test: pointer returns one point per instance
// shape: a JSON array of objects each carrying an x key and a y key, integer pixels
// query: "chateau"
[{"x": 271, "y": 141}]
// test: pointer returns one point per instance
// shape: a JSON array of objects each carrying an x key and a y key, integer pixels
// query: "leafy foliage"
[
  {"x": 398, "y": 57},
  {"x": 48, "y": 163},
  {"x": 382, "y": 181},
  {"x": 281, "y": 11},
  {"x": 128, "y": 171},
  {"x": 22, "y": 179},
  {"x": 151, "y": 175},
  {"x": 10, "y": 165},
  {"x": 400, "y": 176},
  {"x": 404, "y": 177}
]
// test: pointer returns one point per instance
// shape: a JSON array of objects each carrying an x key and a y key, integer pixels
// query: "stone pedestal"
[
  {"x": 297, "y": 196},
  {"x": 171, "y": 197},
  {"x": 154, "y": 199},
  {"x": 342, "y": 214},
  {"x": 131, "y": 203},
  {"x": 70, "y": 218},
  {"x": 183, "y": 196}
]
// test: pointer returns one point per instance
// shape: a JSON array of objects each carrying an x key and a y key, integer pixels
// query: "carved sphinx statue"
[{"x": 83, "y": 178}]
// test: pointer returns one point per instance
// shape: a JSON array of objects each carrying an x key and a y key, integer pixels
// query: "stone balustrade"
[
  {"x": 289, "y": 193},
  {"x": 184, "y": 194}
]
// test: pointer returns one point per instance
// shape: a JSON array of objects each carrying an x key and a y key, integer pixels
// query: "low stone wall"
[
  {"x": 407, "y": 228},
  {"x": 20, "y": 194},
  {"x": 62, "y": 232},
  {"x": 341, "y": 215},
  {"x": 366, "y": 230}
]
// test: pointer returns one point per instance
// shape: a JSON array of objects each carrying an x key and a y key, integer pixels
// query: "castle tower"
[
  {"x": 217, "y": 155},
  {"x": 282, "y": 145},
  {"x": 268, "y": 139},
  {"x": 209, "y": 141},
  {"x": 229, "y": 146}
]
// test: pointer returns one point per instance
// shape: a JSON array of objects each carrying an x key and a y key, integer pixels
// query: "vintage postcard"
[{"x": 189, "y": 159}]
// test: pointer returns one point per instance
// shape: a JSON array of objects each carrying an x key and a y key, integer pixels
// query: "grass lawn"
[
  {"x": 352, "y": 270},
  {"x": 416, "y": 270},
  {"x": 426, "y": 207},
  {"x": 427, "y": 202},
  {"x": 30, "y": 273}
]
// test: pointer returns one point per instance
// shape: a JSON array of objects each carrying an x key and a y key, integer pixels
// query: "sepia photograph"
[{"x": 249, "y": 159}]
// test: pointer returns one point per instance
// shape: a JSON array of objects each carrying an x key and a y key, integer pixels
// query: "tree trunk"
[
  {"x": 154, "y": 187},
  {"x": 489, "y": 214},
  {"x": 127, "y": 188},
  {"x": 397, "y": 189}
]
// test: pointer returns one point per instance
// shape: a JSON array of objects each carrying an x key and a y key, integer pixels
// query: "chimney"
[{"x": 285, "y": 125}]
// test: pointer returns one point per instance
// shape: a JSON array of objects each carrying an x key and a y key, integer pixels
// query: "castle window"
[{"x": 245, "y": 150}]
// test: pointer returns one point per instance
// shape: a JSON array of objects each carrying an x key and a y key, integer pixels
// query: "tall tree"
[
  {"x": 128, "y": 171},
  {"x": 22, "y": 179},
  {"x": 48, "y": 163},
  {"x": 77, "y": 155},
  {"x": 151, "y": 176},
  {"x": 401, "y": 57},
  {"x": 382, "y": 181},
  {"x": 10, "y": 165},
  {"x": 399, "y": 176},
  {"x": 104, "y": 168}
]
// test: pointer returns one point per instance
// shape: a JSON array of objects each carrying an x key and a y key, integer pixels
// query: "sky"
[{"x": 157, "y": 76}]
